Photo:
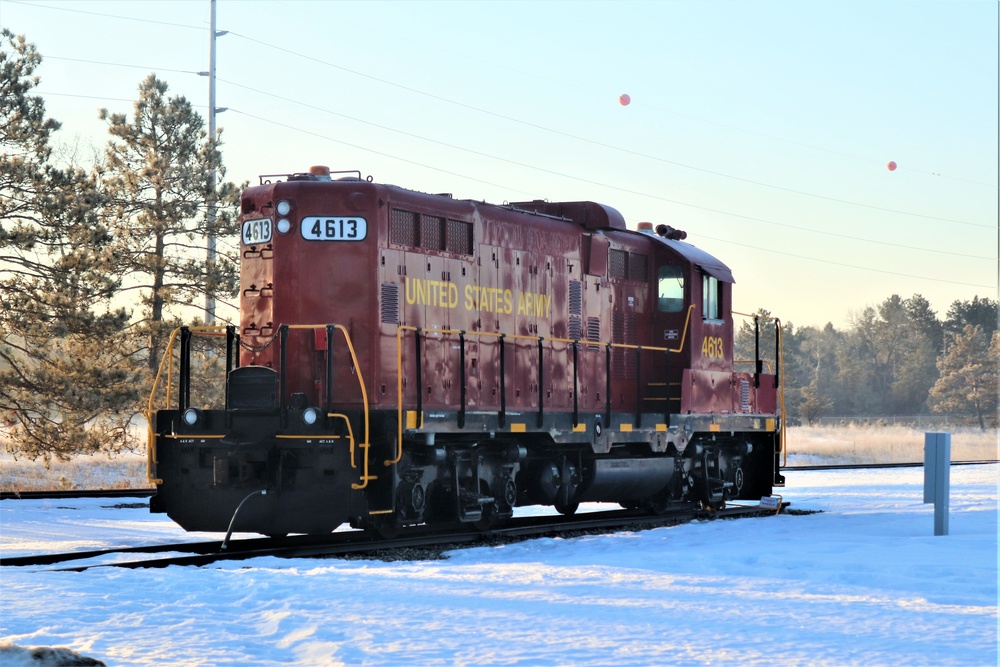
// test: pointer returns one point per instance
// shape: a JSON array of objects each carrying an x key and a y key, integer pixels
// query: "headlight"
[
  {"x": 191, "y": 416},
  {"x": 284, "y": 207},
  {"x": 310, "y": 416},
  {"x": 284, "y": 225}
]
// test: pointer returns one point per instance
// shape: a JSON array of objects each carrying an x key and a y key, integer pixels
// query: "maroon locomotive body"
[{"x": 410, "y": 358}]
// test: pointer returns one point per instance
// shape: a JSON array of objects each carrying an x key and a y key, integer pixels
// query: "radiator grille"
[
  {"x": 403, "y": 227},
  {"x": 459, "y": 237},
  {"x": 637, "y": 267},
  {"x": 617, "y": 264}
]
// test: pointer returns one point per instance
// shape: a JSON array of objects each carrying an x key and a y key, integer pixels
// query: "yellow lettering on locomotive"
[
  {"x": 439, "y": 293},
  {"x": 533, "y": 304},
  {"x": 711, "y": 347},
  {"x": 444, "y": 294},
  {"x": 488, "y": 299}
]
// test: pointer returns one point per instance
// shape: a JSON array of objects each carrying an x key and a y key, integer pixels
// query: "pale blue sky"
[{"x": 761, "y": 128}]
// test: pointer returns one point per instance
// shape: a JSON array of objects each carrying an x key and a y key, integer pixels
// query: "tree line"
[
  {"x": 896, "y": 358},
  {"x": 100, "y": 261}
]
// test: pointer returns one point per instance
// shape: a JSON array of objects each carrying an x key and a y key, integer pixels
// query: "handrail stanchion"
[
  {"x": 607, "y": 384},
  {"x": 758, "y": 365},
  {"x": 666, "y": 387},
  {"x": 576, "y": 382},
  {"x": 420, "y": 377},
  {"x": 184, "y": 372},
  {"x": 230, "y": 336},
  {"x": 283, "y": 377},
  {"x": 638, "y": 386},
  {"x": 462, "y": 379},
  {"x": 503, "y": 382},
  {"x": 541, "y": 388},
  {"x": 329, "y": 367}
]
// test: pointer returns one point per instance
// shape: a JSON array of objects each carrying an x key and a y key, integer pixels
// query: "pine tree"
[
  {"x": 968, "y": 385},
  {"x": 64, "y": 384},
  {"x": 157, "y": 182}
]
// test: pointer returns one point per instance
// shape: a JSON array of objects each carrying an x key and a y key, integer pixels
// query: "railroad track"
[
  {"x": 864, "y": 466},
  {"x": 76, "y": 493},
  {"x": 361, "y": 543}
]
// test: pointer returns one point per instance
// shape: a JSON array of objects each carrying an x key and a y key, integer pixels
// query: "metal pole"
[
  {"x": 210, "y": 204},
  {"x": 937, "y": 473},
  {"x": 210, "y": 213}
]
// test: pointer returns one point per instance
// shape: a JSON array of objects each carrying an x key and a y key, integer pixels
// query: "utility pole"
[{"x": 210, "y": 213}]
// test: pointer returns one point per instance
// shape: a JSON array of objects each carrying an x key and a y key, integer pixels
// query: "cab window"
[
  {"x": 710, "y": 297},
  {"x": 671, "y": 289}
]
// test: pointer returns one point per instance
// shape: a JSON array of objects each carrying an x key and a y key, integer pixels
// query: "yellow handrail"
[
  {"x": 405, "y": 327},
  {"x": 781, "y": 382},
  {"x": 365, "y": 444},
  {"x": 168, "y": 361}
]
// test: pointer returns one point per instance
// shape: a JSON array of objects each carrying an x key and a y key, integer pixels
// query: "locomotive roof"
[
  {"x": 588, "y": 214},
  {"x": 699, "y": 258}
]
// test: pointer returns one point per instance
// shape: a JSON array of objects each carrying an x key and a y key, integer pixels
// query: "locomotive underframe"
[{"x": 313, "y": 478}]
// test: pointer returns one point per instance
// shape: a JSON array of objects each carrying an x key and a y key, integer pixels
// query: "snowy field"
[{"x": 865, "y": 582}]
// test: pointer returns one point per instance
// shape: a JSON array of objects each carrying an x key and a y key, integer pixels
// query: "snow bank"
[{"x": 863, "y": 583}]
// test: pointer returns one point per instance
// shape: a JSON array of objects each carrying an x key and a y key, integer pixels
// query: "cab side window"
[
  {"x": 671, "y": 289},
  {"x": 710, "y": 297}
]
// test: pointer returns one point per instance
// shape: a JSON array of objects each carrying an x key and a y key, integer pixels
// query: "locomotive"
[{"x": 405, "y": 358}]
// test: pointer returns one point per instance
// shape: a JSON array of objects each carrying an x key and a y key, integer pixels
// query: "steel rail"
[
  {"x": 359, "y": 542},
  {"x": 863, "y": 466}
]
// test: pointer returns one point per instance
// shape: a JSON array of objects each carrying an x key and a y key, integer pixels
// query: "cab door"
[{"x": 671, "y": 292}]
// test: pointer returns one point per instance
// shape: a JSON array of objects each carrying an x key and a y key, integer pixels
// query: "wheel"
[
  {"x": 568, "y": 510},
  {"x": 487, "y": 521}
]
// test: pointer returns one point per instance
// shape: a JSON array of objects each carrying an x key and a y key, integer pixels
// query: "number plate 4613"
[{"x": 323, "y": 228}]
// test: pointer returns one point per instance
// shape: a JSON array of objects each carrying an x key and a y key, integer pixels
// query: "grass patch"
[
  {"x": 819, "y": 445},
  {"x": 126, "y": 470}
]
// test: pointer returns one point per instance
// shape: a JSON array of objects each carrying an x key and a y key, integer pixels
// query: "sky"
[{"x": 762, "y": 128}]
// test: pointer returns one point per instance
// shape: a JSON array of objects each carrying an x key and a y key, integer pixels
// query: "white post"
[{"x": 937, "y": 477}]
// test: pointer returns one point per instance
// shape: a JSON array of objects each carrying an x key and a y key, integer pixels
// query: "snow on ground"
[{"x": 865, "y": 582}]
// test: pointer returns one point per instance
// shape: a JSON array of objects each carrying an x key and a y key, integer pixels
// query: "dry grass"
[
  {"x": 806, "y": 445},
  {"x": 817, "y": 445},
  {"x": 95, "y": 471}
]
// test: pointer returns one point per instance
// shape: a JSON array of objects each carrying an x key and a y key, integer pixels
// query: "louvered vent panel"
[
  {"x": 744, "y": 396},
  {"x": 594, "y": 331},
  {"x": 389, "y": 307},
  {"x": 575, "y": 297},
  {"x": 575, "y": 327}
]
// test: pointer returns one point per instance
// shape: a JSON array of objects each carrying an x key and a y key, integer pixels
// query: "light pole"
[{"x": 210, "y": 213}]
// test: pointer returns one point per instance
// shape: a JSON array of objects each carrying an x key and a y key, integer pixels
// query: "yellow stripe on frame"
[
  {"x": 411, "y": 419},
  {"x": 518, "y": 428},
  {"x": 625, "y": 428},
  {"x": 714, "y": 428},
  {"x": 769, "y": 424},
  {"x": 580, "y": 428},
  {"x": 661, "y": 427}
]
